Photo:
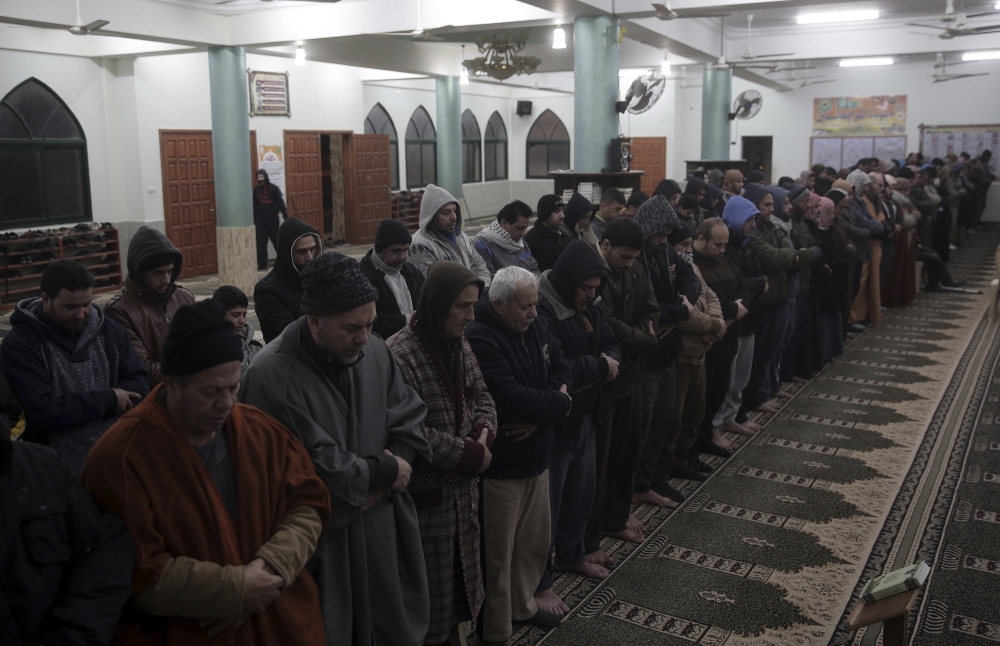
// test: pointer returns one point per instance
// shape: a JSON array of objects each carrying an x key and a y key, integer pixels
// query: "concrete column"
[
  {"x": 449, "y": 134},
  {"x": 716, "y": 101},
  {"x": 595, "y": 72},
  {"x": 235, "y": 236}
]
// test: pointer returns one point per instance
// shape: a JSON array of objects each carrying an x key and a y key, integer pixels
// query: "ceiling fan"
[
  {"x": 810, "y": 81},
  {"x": 80, "y": 29},
  {"x": 419, "y": 33},
  {"x": 664, "y": 12},
  {"x": 956, "y": 23},
  {"x": 749, "y": 55},
  {"x": 943, "y": 76}
]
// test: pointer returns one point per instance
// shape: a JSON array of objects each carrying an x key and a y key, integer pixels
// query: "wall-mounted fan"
[
  {"x": 747, "y": 105},
  {"x": 643, "y": 93}
]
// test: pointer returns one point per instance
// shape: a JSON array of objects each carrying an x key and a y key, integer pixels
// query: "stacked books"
[{"x": 894, "y": 582}]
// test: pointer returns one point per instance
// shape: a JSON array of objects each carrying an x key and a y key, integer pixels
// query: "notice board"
[
  {"x": 938, "y": 141},
  {"x": 844, "y": 152}
]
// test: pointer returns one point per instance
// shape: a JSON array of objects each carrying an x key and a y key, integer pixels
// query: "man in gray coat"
[
  {"x": 440, "y": 236},
  {"x": 335, "y": 385}
]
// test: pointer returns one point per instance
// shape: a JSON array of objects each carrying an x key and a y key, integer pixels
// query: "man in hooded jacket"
[
  {"x": 277, "y": 297},
  {"x": 267, "y": 204},
  {"x": 578, "y": 213},
  {"x": 146, "y": 303},
  {"x": 440, "y": 236}
]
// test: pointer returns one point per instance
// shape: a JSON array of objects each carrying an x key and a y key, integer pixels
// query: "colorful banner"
[
  {"x": 270, "y": 159},
  {"x": 859, "y": 115},
  {"x": 269, "y": 94}
]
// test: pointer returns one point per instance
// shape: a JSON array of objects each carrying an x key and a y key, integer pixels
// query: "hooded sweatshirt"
[
  {"x": 267, "y": 199},
  {"x": 430, "y": 245},
  {"x": 667, "y": 188},
  {"x": 576, "y": 209},
  {"x": 144, "y": 314},
  {"x": 277, "y": 297},
  {"x": 582, "y": 337},
  {"x": 64, "y": 380},
  {"x": 738, "y": 211}
]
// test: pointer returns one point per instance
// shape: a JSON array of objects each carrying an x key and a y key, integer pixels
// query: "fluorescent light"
[
  {"x": 463, "y": 78},
  {"x": 981, "y": 56},
  {"x": 996, "y": 6},
  {"x": 865, "y": 62},
  {"x": 558, "y": 38},
  {"x": 300, "y": 56},
  {"x": 665, "y": 68},
  {"x": 837, "y": 16}
]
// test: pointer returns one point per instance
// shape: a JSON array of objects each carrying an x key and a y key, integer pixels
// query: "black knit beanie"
[
  {"x": 200, "y": 337},
  {"x": 391, "y": 232},
  {"x": 681, "y": 233},
  {"x": 333, "y": 283},
  {"x": 547, "y": 205}
]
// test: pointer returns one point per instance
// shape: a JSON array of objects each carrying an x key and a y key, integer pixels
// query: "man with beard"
[
  {"x": 546, "y": 239},
  {"x": 277, "y": 297}
]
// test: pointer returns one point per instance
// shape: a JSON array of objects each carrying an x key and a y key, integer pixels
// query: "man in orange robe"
[{"x": 221, "y": 500}]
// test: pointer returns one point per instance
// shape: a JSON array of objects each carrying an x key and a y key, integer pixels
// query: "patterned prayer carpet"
[{"x": 856, "y": 475}]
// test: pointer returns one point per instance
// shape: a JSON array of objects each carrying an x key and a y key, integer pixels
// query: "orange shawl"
[{"x": 147, "y": 472}]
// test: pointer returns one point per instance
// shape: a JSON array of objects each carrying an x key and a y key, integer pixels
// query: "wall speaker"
[
  {"x": 620, "y": 155},
  {"x": 524, "y": 108}
]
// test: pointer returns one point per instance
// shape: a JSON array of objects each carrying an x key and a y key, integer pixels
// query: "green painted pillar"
[
  {"x": 716, "y": 100},
  {"x": 235, "y": 236},
  {"x": 449, "y": 134},
  {"x": 595, "y": 73}
]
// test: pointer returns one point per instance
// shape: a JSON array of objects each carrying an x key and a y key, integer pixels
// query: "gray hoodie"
[{"x": 429, "y": 246}]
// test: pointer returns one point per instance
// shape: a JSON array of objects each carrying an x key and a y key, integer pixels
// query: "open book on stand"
[{"x": 901, "y": 580}]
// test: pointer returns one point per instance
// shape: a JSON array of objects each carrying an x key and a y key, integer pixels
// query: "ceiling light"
[
  {"x": 996, "y": 6},
  {"x": 981, "y": 56},
  {"x": 665, "y": 67},
  {"x": 865, "y": 62},
  {"x": 300, "y": 56},
  {"x": 463, "y": 78},
  {"x": 837, "y": 16},
  {"x": 558, "y": 38}
]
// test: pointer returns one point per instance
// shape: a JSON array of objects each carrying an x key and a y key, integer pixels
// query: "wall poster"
[
  {"x": 859, "y": 115},
  {"x": 269, "y": 94},
  {"x": 271, "y": 159},
  {"x": 938, "y": 141},
  {"x": 844, "y": 152}
]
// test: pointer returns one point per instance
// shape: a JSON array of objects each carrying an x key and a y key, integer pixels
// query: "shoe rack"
[{"x": 26, "y": 256}]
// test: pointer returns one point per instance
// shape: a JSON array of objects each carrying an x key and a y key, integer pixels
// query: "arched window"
[
  {"x": 43, "y": 160},
  {"x": 421, "y": 150},
  {"x": 548, "y": 146},
  {"x": 495, "y": 146},
  {"x": 378, "y": 122},
  {"x": 472, "y": 141}
]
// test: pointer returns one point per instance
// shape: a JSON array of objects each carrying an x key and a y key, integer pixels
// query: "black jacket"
[
  {"x": 546, "y": 245},
  {"x": 523, "y": 373},
  {"x": 390, "y": 320},
  {"x": 65, "y": 567},
  {"x": 670, "y": 277},
  {"x": 568, "y": 332},
  {"x": 753, "y": 277},
  {"x": 277, "y": 297},
  {"x": 267, "y": 199}
]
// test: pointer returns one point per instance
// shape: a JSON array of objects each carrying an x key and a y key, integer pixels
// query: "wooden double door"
[{"x": 649, "y": 154}]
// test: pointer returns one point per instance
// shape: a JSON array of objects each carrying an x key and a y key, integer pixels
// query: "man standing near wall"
[{"x": 267, "y": 204}]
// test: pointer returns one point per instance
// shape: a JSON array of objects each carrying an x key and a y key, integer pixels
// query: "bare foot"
[
  {"x": 652, "y": 498},
  {"x": 635, "y": 525},
  {"x": 593, "y": 571},
  {"x": 781, "y": 392},
  {"x": 548, "y": 601},
  {"x": 626, "y": 535},
  {"x": 752, "y": 426},
  {"x": 599, "y": 557},
  {"x": 799, "y": 380},
  {"x": 768, "y": 407},
  {"x": 722, "y": 442}
]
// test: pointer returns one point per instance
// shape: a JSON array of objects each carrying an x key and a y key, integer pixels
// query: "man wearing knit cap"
[
  {"x": 222, "y": 501},
  {"x": 146, "y": 303},
  {"x": 576, "y": 225},
  {"x": 756, "y": 177},
  {"x": 338, "y": 388},
  {"x": 502, "y": 243},
  {"x": 676, "y": 287},
  {"x": 398, "y": 282},
  {"x": 461, "y": 426},
  {"x": 546, "y": 239}
]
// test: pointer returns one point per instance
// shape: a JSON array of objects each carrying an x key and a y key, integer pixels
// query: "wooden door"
[
  {"x": 254, "y": 165},
  {"x": 189, "y": 197},
  {"x": 372, "y": 183},
  {"x": 304, "y": 177},
  {"x": 649, "y": 154}
]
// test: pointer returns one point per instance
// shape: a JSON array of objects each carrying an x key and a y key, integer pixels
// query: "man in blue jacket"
[
  {"x": 73, "y": 370},
  {"x": 530, "y": 383}
]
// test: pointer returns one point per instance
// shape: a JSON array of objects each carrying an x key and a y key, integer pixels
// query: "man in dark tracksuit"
[{"x": 267, "y": 204}]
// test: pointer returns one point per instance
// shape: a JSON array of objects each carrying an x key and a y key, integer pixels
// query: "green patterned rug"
[{"x": 841, "y": 485}]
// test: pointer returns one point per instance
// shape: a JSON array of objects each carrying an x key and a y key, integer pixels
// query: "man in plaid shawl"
[{"x": 461, "y": 426}]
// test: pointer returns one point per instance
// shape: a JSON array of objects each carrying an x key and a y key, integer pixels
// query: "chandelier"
[{"x": 500, "y": 58}]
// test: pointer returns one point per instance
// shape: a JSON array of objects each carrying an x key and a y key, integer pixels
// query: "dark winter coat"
[
  {"x": 267, "y": 199},
  {"x": 772, "y": 251},
  {"x": 277, "y": 297},
  {"x": 581, "y": 338},
  {"x": 60, "y": 411},
  {"x": 65, "y": 567},
  {"x": 670, "y": 278},
  {"x": 390, "y": 320},
  {"x": 523, "y": 373},
  {"x": 546, "y": 245}
]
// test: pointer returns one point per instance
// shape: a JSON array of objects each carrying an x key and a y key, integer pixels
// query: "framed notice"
[
  {"x": 844, "y": 152},
  {"x": 859, "y": 115},
  {"x": 269, "y": 94},
  {"x": 938, "y": 141}
]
